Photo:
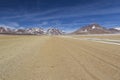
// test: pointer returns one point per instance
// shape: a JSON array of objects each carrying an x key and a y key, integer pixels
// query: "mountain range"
[
  {"x": 31, "y": 31},
  {"x": 88, "y": 29}
]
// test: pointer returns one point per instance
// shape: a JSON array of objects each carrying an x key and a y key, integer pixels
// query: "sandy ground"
[
  {"x": 112, "y": 36},
  {"x": 57, "y": 58}
]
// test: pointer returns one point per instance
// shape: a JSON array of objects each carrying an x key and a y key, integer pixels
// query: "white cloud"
[{"x": 30, "y": 15}]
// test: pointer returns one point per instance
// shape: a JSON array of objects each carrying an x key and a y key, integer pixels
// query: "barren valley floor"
[{"x": 57, "y": 58}]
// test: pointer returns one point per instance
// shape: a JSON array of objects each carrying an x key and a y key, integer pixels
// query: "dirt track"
[{"x": 57, "y": 58}]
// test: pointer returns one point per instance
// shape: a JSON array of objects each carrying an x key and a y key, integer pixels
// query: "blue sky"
[{"x": 67, "y": 15}]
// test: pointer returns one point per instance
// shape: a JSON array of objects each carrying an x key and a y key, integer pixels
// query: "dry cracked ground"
[{"x": 57, "y": 58}]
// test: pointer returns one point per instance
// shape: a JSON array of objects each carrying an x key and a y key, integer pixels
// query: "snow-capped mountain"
[
  {"x": 92, "y": 29},
  {"x": 54, "y": 31},
  {"x": 6, "y": 30},
  {"x": 118, "y": 28},
  {"x": 114, "y": 30},
  {"x": 96, "y": 29},
  {"x": 2, "y": 30},
  {"x": 35, "y": 31},
  {"x": 32, "y": 31}
]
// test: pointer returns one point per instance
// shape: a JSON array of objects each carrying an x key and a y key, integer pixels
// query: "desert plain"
[{"x": 59, "y": 57}]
